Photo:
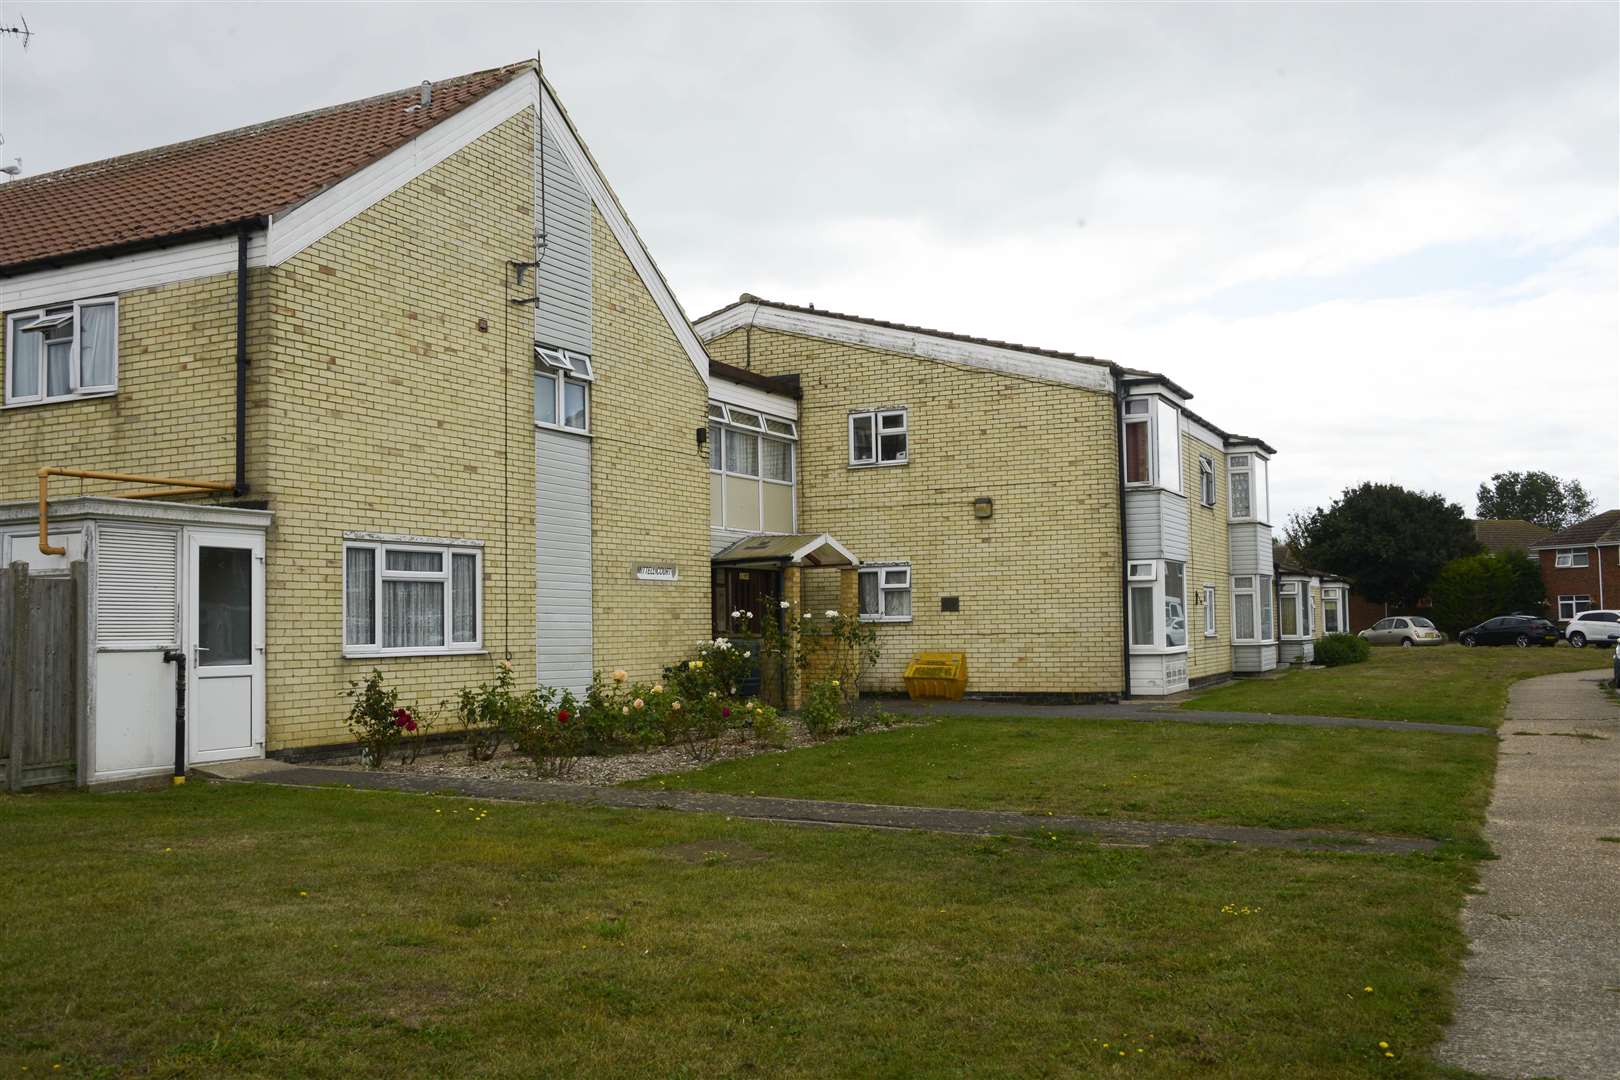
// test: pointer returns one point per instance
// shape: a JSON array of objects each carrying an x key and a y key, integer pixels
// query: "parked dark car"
[{"x": 1521, "y": 630}]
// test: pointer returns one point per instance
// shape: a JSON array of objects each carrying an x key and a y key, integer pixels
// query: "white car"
[{"x": 1595, "y": 626}]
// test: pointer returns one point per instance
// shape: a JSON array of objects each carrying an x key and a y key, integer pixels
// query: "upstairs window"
[
  {"x": 1246, "y": 482},
  {"x": 1573, "y": 557},
  {"x": 885, "y": 593},
  {"x": 1206, "y": 480},
  {"x": 63, "y": 352},
  {"x": 751, "y": 459},
  {"x": 562, "y": 389},
  {"x": 1152, "y": 439},
  {"x": 878, "y": 438}
]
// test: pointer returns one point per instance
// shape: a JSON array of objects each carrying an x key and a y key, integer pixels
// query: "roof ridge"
[{"x": 100, "y": 165}]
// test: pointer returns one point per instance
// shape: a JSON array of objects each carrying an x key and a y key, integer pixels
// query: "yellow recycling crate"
[{"x": 937, "y": 675}]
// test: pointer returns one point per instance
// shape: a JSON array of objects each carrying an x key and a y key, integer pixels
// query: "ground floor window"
[
  {"x": 1296, "y": 615},
  {"x": 885, "y": 592},
  {"x": 407, "y": 598},
  {"x": 1158, "y": 606},
  {"x": 1251, "y": 609},
  {"x": 1571, "y": 606},
  {"x": 1209, "y": 611}
]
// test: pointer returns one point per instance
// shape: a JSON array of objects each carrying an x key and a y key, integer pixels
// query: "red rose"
[
  {"x": 725, "y": 712},
  {"x": 410, "y": 725},
  {"x": 562, "y": 716}
]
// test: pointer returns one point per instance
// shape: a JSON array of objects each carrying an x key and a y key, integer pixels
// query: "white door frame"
[{"x": 194, "y": 540}]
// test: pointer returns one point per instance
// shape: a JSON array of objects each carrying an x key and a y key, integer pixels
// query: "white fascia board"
[
  {"x": 579, "y": 159},
  {"x": 149, "y": 511},
  {"x": 1248, "y": 448},
  {"x": 1096, "y": 377},
  {"x": 125, "y": 273},
  {"x": 825, "y": 540},
  {"x": 304, "y": 224},
  {"x": 1202, "y": 433},
  {"x": 753, "y": 399},
  {"x": 1149, "y": 389}
]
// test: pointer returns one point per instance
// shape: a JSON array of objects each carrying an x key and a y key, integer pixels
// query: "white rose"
[
  {"x": 783, "y": 605},
  {"x": 831, "y": 614},
  {"x": 736, "y": 614}
]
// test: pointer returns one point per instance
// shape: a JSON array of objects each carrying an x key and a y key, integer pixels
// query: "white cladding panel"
[
  {"x": 563, "y": 559},
  {"x": 562, "y": 211}
]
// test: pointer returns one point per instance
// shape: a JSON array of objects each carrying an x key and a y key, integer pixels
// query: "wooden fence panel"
[{"x": 42, "y": 674}]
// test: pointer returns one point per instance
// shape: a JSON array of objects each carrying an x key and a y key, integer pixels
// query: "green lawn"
[
  {"x": 1415, "y": 783},
  {"x": 239, "y": 931},
  {"x": 1444, "y": 684}
]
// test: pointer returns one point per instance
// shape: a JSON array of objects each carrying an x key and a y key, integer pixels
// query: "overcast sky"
[{"x": 1386, "y": 238}]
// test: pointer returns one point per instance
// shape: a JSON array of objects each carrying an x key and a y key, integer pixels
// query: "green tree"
[
  {"x": 1534, "y": 496},
  {"x": 1478, "y": 587},
  {"x": 1388, "y": 541}
]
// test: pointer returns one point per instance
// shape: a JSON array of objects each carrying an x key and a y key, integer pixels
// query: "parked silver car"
[{"x": 1405, "y": 630}]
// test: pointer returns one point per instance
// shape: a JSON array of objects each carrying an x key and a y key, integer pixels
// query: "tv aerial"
[{"x": 22, "y": 32}]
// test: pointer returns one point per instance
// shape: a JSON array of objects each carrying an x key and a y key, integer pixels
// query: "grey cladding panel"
[
  {"x": 563, "y": 559},
  {"x": 1156, "y": 525},
  {"x": 563, "y": 315}
]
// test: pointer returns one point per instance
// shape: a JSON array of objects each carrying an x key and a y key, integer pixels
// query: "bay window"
[
  {"x": 1251, "y": 609},
  {"x": 1249, "y": 494},
  {"x": 1332, "y": 622},
  {"x": 411, "y": 598},
  {"x": 1157, "y": 609},
  {"x": 885, "y": 592},
  {"x": 1296, "y": 616},
  {"x": 1152, "y": 444},
  {"x": 63, "y": 352}
]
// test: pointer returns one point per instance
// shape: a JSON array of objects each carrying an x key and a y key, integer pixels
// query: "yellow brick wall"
[
  {"x": 173, "y": 414},
  {"x": 1039, "y": 582},
  {"x": 1209, "y": 656},
  {"x": 392, "y": 411},
  {"x": 649, "y": 477}
]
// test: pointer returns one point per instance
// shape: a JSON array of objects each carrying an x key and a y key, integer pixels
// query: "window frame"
[
  {"x": 1210, "y": 626},
  {"x": 1259, "y": 602},
  {"x": 1156, "y": 587},
  {"x": 1332, "y": 595},
  {"x": 77, "y": 391},
  {"x": 876, "y": 417},
  {"x": 1574, "y": 600},
  {"x": 562, "y": 367},
  {"x": 447, "y": 550},
  {"x": 882, "y": 570},
  {"x": 1253, "y": 466},
  {"x": 762, "y": 427},
  {"x": 1207, "y": 488},
  {"x": 1564, "y": 559},
  {"x": 1157, "y": 415}
]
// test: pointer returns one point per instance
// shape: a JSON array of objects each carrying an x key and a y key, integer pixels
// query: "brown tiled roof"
[
  {"x": 217, "y": 181},
  {"x": 1602, "y": 529},
  {"x": 1497, "y": 535}
]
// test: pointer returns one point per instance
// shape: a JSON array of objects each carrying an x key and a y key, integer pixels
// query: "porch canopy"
[{"x": 798, "y": 549}]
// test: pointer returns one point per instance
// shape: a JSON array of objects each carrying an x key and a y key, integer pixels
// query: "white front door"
[{"x": 224, "y": 645}]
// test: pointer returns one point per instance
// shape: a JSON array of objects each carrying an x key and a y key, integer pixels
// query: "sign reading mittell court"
[{"x": 656, "y": 573}]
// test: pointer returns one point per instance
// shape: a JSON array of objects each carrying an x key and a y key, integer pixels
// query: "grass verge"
[
  {"x": 1443, "y": 684},
  {"x": 1414, "y": 783},
  {"x": 233, "y": 931}
]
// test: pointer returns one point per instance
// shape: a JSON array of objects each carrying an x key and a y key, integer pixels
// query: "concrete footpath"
[
  {"x": 814, "y": 811},
  {"x": 1540, "y": 996}
]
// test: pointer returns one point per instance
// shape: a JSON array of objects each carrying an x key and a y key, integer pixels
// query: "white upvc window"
[
  {"x": 751, "y": 445},
  {"x": 1332, "y": 611},
  {"x": 1571, "y": 558},
  {"x": 879, "y": 437},
  {"x": 1247, "y": 485},
  {"x": 1209, "y": 611},
  {"x": 1571, "y": 606},
  {"x": 1158, "y": 606},
  {"x": 1251, "y": 610},
  {"x": 562, "y": 389},
  {"x": 885, "y": 592},
  {"x": 62, "y": 352},
  {"x": 411, "y": 598},
  {"x": 1206, "y": 480},
  {"x": 1152, "y": 440},
  {"x": 1294, "y": 612}
]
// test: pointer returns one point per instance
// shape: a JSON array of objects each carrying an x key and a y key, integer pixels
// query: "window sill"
[
  {"x": 885, "y": 618},
  {"x": 394, "y": 654},
  {"x": 877, "y": 464},
  {"x": 564, "y": 430},
  {"x": 68, "y": 400},
  {"x": 1241, "y": 642},
  {"x": 1156, "y": 650}
]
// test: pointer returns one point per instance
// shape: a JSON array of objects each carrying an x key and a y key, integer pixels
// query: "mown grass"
[
  {"x": 1415, "y": 783},
  {"x": 1443, "y": 684},
  {"x": 241, "y": 931}
]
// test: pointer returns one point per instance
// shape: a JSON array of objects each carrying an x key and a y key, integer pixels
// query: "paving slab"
[
  {"x": 1142, "y": 711},
  {"x": 1540, "y": 995},
  {"x": 814, "y": 811}
]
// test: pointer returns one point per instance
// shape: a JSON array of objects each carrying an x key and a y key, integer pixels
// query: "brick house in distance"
[{"x": 1581, "y": 565}]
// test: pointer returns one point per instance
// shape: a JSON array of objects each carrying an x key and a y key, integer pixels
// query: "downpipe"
[{"x": 177, "y": 657}]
